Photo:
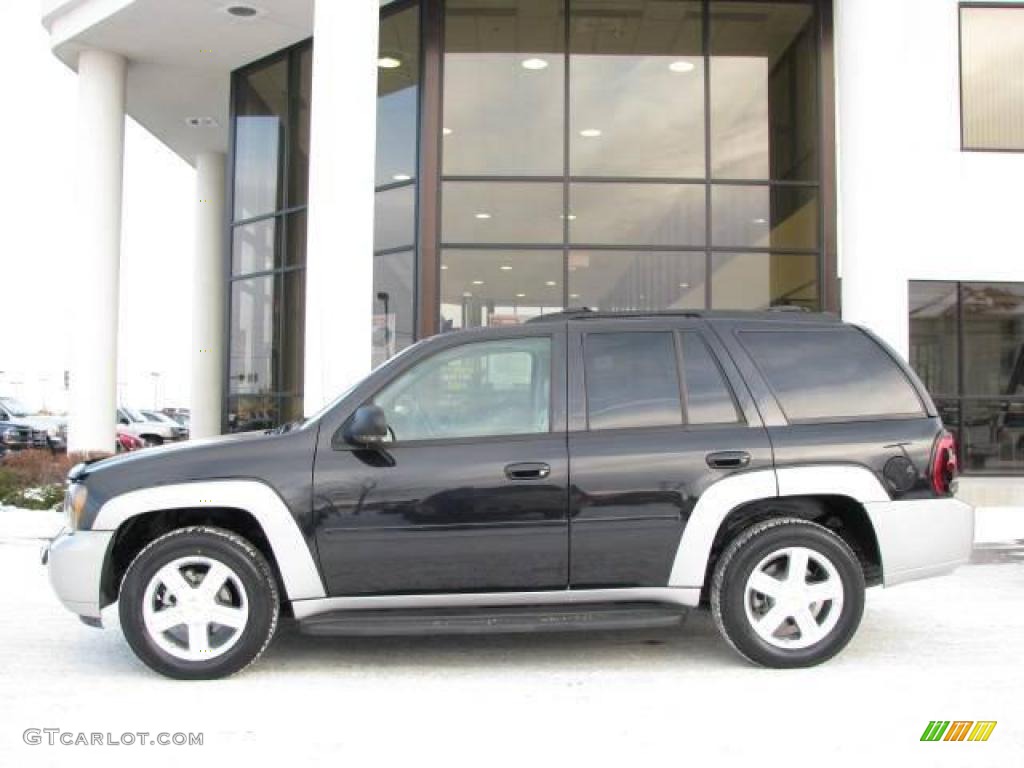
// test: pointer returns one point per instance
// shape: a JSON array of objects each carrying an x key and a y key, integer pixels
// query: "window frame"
[
  {"x": 579, "y": 403},
  {"x": 555, "y": 409},
  {"x": 961, "y": 7}
]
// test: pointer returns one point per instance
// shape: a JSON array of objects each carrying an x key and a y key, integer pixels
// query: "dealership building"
[{"x": 368, "y": 174}]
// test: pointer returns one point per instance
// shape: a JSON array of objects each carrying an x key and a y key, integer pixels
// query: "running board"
[{"x": 494, "y": 620}]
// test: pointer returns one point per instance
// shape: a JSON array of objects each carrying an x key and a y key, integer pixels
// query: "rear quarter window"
[{"x": 831, "y": 374}]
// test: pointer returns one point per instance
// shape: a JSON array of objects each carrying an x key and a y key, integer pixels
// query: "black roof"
[{"x": 772, "y": 313}]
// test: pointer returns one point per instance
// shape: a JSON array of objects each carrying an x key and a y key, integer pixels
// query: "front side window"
[
  {"x": 480, "y": 389},
  {"x": 632, "y": 380}
]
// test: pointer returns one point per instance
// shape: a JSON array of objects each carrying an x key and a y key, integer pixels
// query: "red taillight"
[{"x": 944, "y": 466}]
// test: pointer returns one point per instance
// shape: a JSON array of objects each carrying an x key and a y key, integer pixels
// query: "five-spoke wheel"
[
  {"x": 199, "y": 603},
  {"x": 787, "y": 593}
]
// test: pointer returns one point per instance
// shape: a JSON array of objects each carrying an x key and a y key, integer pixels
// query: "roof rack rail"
[{"x": 588, "y": 313}]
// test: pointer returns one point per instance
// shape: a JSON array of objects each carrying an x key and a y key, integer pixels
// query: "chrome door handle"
[
  {"x": 728, "y": 459},
  {"x": 527, "y": 470}
]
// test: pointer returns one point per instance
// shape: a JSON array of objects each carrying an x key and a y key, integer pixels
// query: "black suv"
[{"x": 585, "y": 470}]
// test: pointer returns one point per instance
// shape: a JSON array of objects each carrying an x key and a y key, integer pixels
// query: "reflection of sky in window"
[
  {"x": 396, "y": 135},
  {"x": 257, "y": 159}
]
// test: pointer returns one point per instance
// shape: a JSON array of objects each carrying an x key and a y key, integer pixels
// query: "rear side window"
[
  {"x": 632, "y": 380},
  {"x": 708, "y": 399},
  {"x": 831, "y": 374}
]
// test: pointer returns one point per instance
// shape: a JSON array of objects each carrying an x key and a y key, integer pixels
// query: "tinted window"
[
  {"x": 632, "y": 380},
  {"x": 708, "y": 400},
  {"x": 825, "y": 374},
  {"x": 474, "y": 390}
]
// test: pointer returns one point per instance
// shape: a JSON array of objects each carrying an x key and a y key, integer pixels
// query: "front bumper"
[
  {"x": 922, "y": 538},
  {"x": 75, "y": 562}
]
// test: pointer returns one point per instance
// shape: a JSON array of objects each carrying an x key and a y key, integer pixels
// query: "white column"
[
  {"x": 208, "y": 298},
  {"x": 872, "y": 95},
  {"x": 339, "y": 262},
  {"x": 101, "y": 99}
]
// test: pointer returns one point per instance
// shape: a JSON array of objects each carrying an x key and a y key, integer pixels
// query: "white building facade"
[{"x": 372, "y": 173}]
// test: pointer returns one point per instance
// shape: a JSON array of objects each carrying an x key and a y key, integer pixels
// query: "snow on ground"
[{"x": 948, "y": 648}]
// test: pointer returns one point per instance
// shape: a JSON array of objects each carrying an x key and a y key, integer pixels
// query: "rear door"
[{"x": 657, "y": 414}]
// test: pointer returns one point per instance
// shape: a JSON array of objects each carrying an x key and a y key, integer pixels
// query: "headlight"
[
  {"x": 9, "y": 435},
  {"x": 74, "y": 505}
]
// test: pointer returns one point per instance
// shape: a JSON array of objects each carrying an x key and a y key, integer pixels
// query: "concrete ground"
[{"x": 949, "y": 649}]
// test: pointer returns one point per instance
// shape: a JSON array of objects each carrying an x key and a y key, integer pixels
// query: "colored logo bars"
[{"x": 958, "y": 730}]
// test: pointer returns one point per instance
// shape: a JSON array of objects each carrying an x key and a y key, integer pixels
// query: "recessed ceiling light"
[
  {"x": 590, "y": 133},
  {"x": 444, "y": 266},
  {"x": 551, "y": 283},
  {"x": 242, "y": 11},
  {"x": 506, "y": 268},
  {"x": 760, "y": 220},
  {"x": 520, "y": 295},
  {"x": 389, "y": 62},
  {"x": 684, "y": 285},
  {"x": 481, "y": 215},
  {"x": 478, "y": 282},
  {"x": 446, "y": 131},
  {"x": 574, "y": 295},
  {"x": 467, "y": 295},
  {"x": 682, "y": 66},
  {"x": 534, "y": 64},
  {"x": 401, "y": 177},
  {"x": 200, "y": 122}
]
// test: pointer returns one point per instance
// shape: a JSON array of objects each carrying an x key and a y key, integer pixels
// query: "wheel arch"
[{"x": 249, "y": 508}]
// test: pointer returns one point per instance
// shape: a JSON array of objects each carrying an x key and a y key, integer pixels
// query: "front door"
[
  {"x": 470, "y": 493},
  {"x": 654, "y": 420}
]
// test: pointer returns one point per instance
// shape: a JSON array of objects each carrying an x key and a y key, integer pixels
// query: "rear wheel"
[
  {"x": 787, "y": 593},
  {"x": 199, "y": 603}
]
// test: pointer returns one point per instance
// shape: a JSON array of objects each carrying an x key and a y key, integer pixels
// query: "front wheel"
[
  {"x": 199, "y": 603},
  {"x": 787, "y": 593}
]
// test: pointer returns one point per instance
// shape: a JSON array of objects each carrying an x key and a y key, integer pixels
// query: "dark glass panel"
[
  {"x": 249, "y": 414},
  {"x": 261, "y": 109},
  {"x": 398, "y": 76},
  {"x": 636, "y": 280},
  {"x": 637, "y": 214},
  {"x": 393, "y": 293},
  {"x": 501, "y": 212},
  {"x": 254, "y": 247},
  {"x": 992, "y": 436},
  {"x": 292, "y": 344},
  {"x": 993, "y": 338},
  {"x": 503, "y": 87},
  {"x": 764, "y": 88},
  {"x": 764, "y": 217},
  {"x": 632, "y": 380},
  {"x": 831, "y": 374},
  {"x": 762, "y": 280},
  {"x": 636, "y": 89},
  {"x": 394, "y": 219},
  {"x": 252, "y": 368},
  {"x": 498, "y": 287},
  {"x": 933, "y": 335},
  {"x": 991, "y": 56},
  {"x": 708, "y": 399}
]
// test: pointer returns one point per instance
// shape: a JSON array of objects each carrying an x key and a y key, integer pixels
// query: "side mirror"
[
  {"x": 124, "y": 421},
  {"x": 367, "y": 427}
]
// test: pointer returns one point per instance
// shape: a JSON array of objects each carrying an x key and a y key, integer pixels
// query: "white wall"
[{"x": 912, "y": 206}]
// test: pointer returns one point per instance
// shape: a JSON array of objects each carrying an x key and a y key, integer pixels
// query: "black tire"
[
  {"x": 729, "y": 592},
  {"x": 244, "y": 561},
  {"x": 152, "y": 441}
]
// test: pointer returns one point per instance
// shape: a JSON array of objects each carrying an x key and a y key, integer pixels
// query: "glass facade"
[
  {"x": 270, "y": 161},
  {"x": 538, "y": 154},
  {"x": 645, "y": 154},
  {"x": 967, "y": 345}
]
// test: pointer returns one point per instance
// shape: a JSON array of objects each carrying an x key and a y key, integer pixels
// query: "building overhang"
[{"x": 180, "y": 56}]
